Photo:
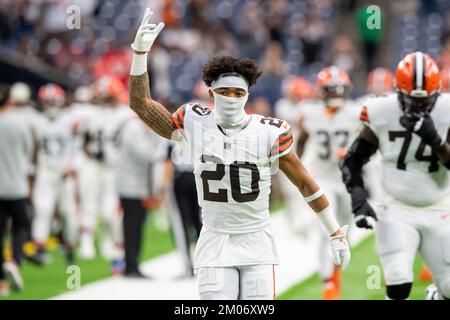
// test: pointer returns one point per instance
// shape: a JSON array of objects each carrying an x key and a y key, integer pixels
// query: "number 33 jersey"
[
  {"x": 412, "y": 173},
  {"x": 232, "y": 173},
  {"x": 329, "y": 137}
]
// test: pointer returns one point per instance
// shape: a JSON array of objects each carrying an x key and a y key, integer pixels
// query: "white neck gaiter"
[{"x": 229, "y": 112}]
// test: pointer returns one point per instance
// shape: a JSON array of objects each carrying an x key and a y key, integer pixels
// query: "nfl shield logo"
[{"x": 227, "y": 145}]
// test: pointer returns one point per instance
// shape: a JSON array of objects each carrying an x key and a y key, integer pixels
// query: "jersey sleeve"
[
  {"x": 179, "y": 118},
  {"x": 364, "y": 115},
  {"x": 283, "y": 141},
  {"x": 186, "y": 118},
  {"x": 369, "y": 115}
]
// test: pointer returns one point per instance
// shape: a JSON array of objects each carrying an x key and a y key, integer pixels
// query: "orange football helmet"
[
  {"x": 445, "y": 77},
  {"x": 51, "y": 94},
  {"x": 380, "y": 80},
  {"x": 334, "y": 84},
  {"x": 418, "y": 83},
  {"x": 109, "y": 88},
  {"x": 298, "y": 88}
]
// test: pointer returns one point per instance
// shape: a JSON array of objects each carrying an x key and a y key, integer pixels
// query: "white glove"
[
  {"x": 340, "y": 248},
  {"x": 146, "y": 33}
]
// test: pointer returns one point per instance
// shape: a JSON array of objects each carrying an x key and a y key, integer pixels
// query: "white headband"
[{"x": 230, "y": 80}]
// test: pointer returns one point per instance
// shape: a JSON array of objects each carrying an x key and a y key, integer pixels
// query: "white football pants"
[
  {"x": 402, "y": 231},
  {"x": 98, "y": 196},
  {"x": 254, "y": 282},
  {"x": 52, "y": 191}
]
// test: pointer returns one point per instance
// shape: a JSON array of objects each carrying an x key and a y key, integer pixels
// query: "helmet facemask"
[
  {"x": 416, "y": 108},
  {"x": 334, "y": 95}
]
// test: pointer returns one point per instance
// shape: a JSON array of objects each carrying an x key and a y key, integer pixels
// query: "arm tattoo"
[{"x": 151, "y": 112}]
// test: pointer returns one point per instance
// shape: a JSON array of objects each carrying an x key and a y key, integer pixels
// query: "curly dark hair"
[{"x": 225, "y": 64}]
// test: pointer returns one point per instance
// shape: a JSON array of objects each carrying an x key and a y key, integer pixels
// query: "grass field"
[
  {"x": 355, "y": 278},
  {"x": 50, "y": 280}
]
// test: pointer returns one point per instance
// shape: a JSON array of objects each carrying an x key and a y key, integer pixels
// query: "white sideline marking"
[{"x": 298, "y": 261}]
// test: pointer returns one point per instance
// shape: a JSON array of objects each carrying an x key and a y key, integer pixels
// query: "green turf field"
[
  {"x": 355, "y": 279},
  {"x": 49, "y": 281}
]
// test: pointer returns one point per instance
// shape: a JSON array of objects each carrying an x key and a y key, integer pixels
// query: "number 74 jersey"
[
  {"x": 232, "y": 172},
  {"x": 411, "y": 171}
]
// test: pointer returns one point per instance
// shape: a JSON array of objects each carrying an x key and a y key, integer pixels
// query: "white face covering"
[{"x": 229, "y": 112}]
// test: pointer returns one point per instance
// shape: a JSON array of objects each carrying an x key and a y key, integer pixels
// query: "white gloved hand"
[
  {"x": 340, "y": 248},
  {"x": 146, "y": 33}
]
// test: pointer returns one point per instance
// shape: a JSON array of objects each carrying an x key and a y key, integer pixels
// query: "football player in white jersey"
[
  {"x": 411, "y": 131},
  {"x": 296, "y": 92},
  {"x": 232, "y": 153},
  {"x": 54, "y": 187},
  {"x": 327, "y": 128},
  {"x": 98, "y": 195}
]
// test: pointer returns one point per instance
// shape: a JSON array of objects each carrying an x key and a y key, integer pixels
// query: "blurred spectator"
[
  {"x": 274, "y": 69},
  {"x": 251, "y": 32},
  {"x": 444, "y": 57},
  {"x": 260, "y": 105},
  {"x": 343, "y": 53},
  {"x": 276, "y": 18},
  {"x": 115, "y": 62},
  {"x": 312, "y": 34},
  {"x": 277, "y": 33},
  {"x": 160, "y": 69}
]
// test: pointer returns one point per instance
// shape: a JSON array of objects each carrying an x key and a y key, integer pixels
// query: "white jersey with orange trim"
[
  {"x": 329, "y": 137},
  {"x": 233, "y": 173},
  {"x": 55, "y": 145},
  {"x": 233, "y": 178},
  {"x": 411, "y": 173}
]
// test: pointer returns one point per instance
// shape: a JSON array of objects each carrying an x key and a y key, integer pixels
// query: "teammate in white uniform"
[
  {"x": 297, "y": 92},
  {"x": 98, "y": 194},
  {"x": 232, "y": 154},
  {"x": 54, "y": 187},
  {"x": 327, "y": 128},
  {"x": 410, "y": 130}
]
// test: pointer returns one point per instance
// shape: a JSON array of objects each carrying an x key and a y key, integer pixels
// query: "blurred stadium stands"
[{"x": 287, "y": 37}]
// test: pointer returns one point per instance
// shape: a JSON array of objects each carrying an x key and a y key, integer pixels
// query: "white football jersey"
[
  {"x": 233, "y": 173},
  {"x": 55, "y": 145},
  {"x": 411, "y": 172},
  {"x": 102, "y": 130},
  {"x": 329, "y": 137},
  {"x": 288, "y": 110}
]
